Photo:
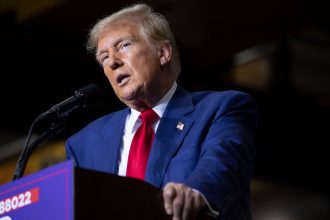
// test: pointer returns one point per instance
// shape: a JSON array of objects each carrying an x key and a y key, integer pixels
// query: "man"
[{"x": 201, "y": 144}]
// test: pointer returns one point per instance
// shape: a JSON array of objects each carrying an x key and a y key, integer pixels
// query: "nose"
[{"x": 115, "y": 62}]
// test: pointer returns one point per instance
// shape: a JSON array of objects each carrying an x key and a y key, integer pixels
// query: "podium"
[{"x": 63, "y": 192}]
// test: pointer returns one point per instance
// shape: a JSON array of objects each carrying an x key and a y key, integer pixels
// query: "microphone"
[{"x": 77, "y": 101}]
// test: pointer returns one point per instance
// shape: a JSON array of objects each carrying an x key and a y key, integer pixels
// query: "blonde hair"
[{"x": 153, "y": 25}]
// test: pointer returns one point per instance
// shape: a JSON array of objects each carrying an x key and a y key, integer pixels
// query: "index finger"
[{"x": 169, "y": 194}]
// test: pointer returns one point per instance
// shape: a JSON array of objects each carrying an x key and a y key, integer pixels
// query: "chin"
[
  {"x": 129, "y": 97},
  {"x": 130, "y": 93}
]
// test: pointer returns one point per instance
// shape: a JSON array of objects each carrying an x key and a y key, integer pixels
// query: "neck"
[{"x": 150, "y": 99}]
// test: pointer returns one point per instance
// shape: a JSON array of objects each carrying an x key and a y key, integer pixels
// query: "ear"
[{"x": 165, "y": 53}]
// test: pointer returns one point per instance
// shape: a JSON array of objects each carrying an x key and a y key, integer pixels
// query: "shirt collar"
[
  {"x": 162, "y": 103},
  {"x": 159, "y": 108}
]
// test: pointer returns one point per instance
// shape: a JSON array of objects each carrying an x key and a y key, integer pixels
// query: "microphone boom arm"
[{"x": 52, "y": 130}]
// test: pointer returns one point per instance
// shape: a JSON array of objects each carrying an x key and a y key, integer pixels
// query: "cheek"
[{"x": 147, "y": 68}]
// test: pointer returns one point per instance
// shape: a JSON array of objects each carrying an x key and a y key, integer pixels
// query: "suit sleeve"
[
  {"x": 224, "y": 169},
  {"x": 69, "y": 153}
]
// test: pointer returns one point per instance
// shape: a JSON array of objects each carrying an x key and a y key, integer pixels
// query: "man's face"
[{"x": 133, "y": 65}]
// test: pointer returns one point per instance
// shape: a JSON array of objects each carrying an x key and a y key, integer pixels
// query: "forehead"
[{"x": 118, "y": 30}]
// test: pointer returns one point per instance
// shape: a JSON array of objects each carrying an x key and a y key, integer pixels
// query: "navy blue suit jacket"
[{"x": 213, "y": 153}]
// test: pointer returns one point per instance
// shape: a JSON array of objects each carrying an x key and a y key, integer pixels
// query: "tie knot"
[{"x": 148, "y": 116}]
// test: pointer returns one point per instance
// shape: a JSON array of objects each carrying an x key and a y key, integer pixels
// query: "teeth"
[{"x": 124, "y": 80}]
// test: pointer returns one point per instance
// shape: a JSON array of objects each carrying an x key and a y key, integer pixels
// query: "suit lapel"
[
  {"x": 172, "y": 129},
  {"x": 112, "y": 133}
]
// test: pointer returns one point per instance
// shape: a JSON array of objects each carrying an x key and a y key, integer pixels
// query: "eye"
[
  {"x": 125, "y": 45},
  {"x": 103, "y": 57}
]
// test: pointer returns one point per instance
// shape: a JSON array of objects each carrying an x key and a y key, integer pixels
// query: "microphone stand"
[{"x": 53, "y": 129}]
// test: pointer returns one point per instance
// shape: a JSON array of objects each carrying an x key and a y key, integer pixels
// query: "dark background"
[{"x": 43, "y": 60}]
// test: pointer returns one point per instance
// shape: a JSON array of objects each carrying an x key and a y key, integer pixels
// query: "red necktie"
[{"x": 141, "y": 145}]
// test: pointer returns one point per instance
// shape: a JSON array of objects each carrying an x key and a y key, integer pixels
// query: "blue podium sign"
[{"x": 47, "y": 194}]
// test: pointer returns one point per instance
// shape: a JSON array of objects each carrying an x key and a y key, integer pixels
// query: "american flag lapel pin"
[{"x": 180, "y": 126}]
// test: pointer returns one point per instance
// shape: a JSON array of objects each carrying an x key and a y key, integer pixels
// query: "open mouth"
[{"x": 122, "y": 79}]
